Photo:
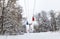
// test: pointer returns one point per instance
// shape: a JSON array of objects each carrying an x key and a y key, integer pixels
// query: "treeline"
[{"x": 47, "y": 21}]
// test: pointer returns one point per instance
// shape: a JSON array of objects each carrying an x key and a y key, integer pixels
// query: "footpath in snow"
[{"x": 42, "y": 35}]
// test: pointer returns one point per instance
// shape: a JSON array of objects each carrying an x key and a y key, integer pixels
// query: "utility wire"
[
  {"x": 34, "y": 6},
  {"x": 25, "y": 4},
  {"x": 28, "y": 6}
]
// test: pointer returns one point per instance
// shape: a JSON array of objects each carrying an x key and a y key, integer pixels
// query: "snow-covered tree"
[
  {"x": 39, "y": 22},
  {"x": 58, "y": 21},
  {"x": 11, "y": 18},
  {"x": 43, "y": 22},
  {"x": 53, "y": 21}
]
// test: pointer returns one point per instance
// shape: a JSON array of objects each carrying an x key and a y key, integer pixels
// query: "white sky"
[{"x": 40, "y": 5}]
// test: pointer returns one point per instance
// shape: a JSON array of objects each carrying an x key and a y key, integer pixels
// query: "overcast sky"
[{"x": 40, "y": 5}]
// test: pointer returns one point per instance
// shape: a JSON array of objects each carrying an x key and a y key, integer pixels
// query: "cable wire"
[
  {"x": 25, "y": 4},
  {"x": 34, "y": 6}
]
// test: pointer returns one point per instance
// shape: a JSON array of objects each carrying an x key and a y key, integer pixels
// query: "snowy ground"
[{"x": 42, "y": 35}]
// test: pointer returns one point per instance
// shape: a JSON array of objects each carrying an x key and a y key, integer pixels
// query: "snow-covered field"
[{"x": 42, "y": 35}]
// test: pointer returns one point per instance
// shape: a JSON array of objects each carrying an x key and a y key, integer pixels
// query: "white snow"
[{"x": 42, "y": 35}]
